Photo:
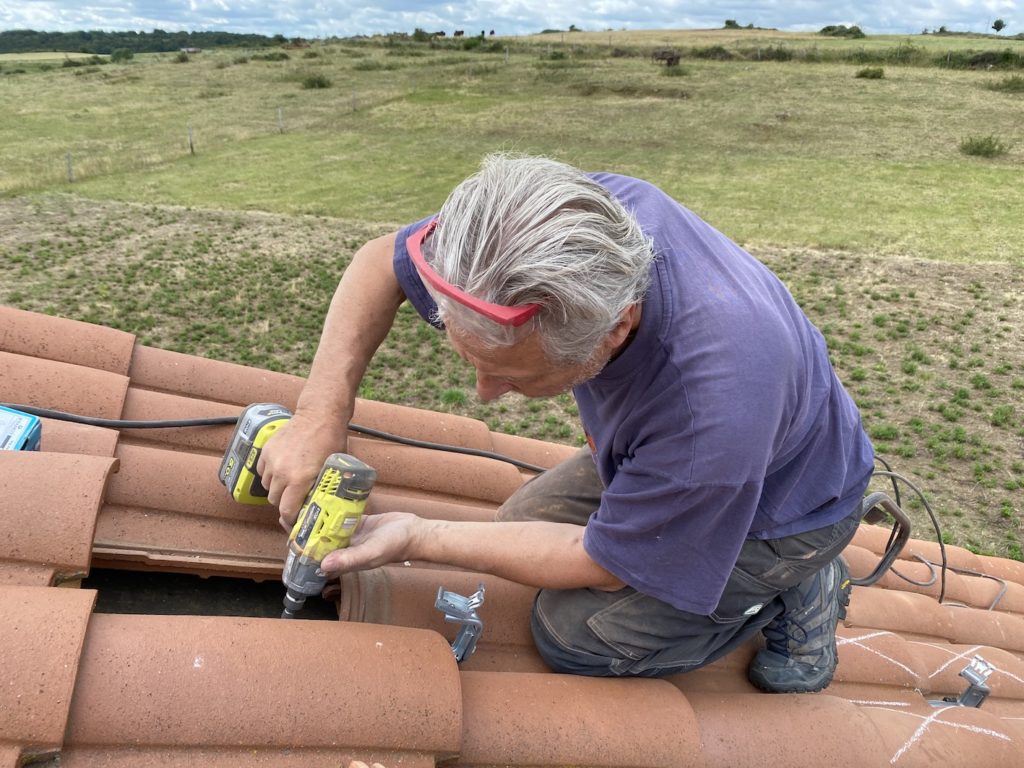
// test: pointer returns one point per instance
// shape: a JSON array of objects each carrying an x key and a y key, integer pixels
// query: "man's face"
[{"x": 523, "y": 368}]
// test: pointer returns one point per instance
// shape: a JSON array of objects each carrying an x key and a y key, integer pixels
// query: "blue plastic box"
[{"x": 19, "y": 431}]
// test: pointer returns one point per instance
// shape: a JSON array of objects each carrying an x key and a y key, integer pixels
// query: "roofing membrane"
[{"x": 381, "y": 685}]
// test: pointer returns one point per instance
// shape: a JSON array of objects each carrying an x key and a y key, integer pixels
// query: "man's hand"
[
  {"x": 292, "y": 458},
  {"x": 388, "y": 537}
]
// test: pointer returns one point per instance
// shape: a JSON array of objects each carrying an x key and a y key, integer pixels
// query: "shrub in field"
[
  {"x": 871, "y": 73},
  {"x": 984, "y": 146},
  {"x": 1011, "y": 84},
  {"x": 122, "y": 54},
  {"x": 713, "y": 52},
  {"x": 315, "y": 81},
  {"x": 92, "y": 60},
  {"x": 272, "y": 56},
  {"x": 775, "y": 53},
  {"x": 181, "y": 58},
  {"x": 373, "y": 65},
  {"x": 841, "y": 30},
  {"x": 676, "y": 71},
  {"x": 996, "y": 60}
]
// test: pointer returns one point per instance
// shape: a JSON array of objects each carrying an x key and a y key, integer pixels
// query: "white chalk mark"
[
  {"x": 932, "y": 719},
  {"x": 995, "y": 669},
  {"x": 856, "y": 641},
  {"x": 950, "y": 662}
]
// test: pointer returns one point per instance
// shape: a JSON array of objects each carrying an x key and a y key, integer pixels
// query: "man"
[{"x": 726, "y": 464}]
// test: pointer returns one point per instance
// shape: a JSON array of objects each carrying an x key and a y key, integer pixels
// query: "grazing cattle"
[
  {"x": 459, "y": 32},
  {"x": 438, "y": 34},
  {"x": 492, "y": 33},
  {"x": 669, "y": 55}
]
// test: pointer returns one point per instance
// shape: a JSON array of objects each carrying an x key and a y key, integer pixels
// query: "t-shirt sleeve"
[
  {"x": 409, "y": 278},
  {"x": 674, "y": 541}
]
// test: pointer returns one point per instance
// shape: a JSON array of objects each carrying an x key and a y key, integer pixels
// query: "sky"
[{"x": 341, "y": 18}]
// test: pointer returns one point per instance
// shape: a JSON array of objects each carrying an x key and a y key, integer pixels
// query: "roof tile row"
[{"x": 167, "y": 690}]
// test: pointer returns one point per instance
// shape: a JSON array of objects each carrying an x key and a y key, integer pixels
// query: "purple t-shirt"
[{"x": 721, "y": 421}]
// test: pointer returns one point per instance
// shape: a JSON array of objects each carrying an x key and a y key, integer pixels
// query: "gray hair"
[{"x": 531, "y": 230}]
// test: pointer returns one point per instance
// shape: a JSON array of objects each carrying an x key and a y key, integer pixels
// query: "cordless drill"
[{"x": 329, "y": 515}]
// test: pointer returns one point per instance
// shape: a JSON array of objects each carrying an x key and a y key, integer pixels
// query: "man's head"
[{"x": 530, "y": 231}]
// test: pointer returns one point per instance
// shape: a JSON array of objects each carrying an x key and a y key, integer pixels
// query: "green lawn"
[{"x": 778, "y": 153}]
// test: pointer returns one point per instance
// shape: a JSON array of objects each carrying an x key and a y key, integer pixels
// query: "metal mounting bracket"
[
  {"x": 975, "y": 673},
  {"x": 462, "y": 610}
]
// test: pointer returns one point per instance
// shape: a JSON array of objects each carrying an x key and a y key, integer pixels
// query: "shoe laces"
[{"x": 782, "y": 632}]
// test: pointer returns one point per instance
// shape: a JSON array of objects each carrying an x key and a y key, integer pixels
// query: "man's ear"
[{"x": 629, "y": 321}]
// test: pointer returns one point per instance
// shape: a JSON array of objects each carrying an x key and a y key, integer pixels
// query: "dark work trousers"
[{"x": 627, "y": 633}]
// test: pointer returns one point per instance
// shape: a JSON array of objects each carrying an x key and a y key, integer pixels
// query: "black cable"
[
  {"x": 935, "y": 524},
  {"x": 94, "y": 421},
  {"x": 444, "y": 447},
  {"x": 216, "y": 421}
]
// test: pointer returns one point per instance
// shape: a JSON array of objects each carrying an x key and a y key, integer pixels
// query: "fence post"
[
  {"x": 280, "y": 120},
  {"x": 191, "y": 142},
  {"x": 506, "y": 54},
  {"x": 71, "y": 170}
]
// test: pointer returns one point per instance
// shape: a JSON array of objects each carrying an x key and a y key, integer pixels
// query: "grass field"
[{"x": 903, "y": 249}]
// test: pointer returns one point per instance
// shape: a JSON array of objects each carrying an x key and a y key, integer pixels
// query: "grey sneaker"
[{"x": 800, "y": 653}]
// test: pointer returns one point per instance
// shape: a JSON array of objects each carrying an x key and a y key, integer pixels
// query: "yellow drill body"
[
  {"x": 328, "y": 518},
  {"x": 329, "y": 515}
]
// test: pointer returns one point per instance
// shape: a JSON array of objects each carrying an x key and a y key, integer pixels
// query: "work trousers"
[{"x": 627, "y": 633}]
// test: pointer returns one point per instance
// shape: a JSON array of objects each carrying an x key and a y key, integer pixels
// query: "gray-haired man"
[{"x": 726, "y": 463}]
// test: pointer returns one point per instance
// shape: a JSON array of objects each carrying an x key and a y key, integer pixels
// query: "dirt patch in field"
[{"x": 932, "y": 352}]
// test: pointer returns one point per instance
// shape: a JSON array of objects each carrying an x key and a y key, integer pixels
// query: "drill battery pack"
[
  {"x": 19, "y": 431},
  {"x": 238, "y": 467}
]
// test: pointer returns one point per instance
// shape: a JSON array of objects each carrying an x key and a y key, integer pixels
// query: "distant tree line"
[{"x": 100, "y": 42}]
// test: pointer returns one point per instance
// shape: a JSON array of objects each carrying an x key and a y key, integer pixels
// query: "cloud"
[{"x": 323, "y": 18}]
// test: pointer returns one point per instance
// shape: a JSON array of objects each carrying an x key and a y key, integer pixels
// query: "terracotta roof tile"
[
  {"x": 556, "y": 720},
  {"x": 740, "y": 730},
  {"x": 181, "y": 681},
  {"x": 68, "y": 341},
  {"x": 65, "y": 437},
  {"x": 913, "y": 616},
  {"x": 180, "y": 542},
  {"x": 974, "y": 626},
  {"x": 48, "y": 507},
  {"x": 928, "y": 736},
  {"x": 146, "y": 405},
  {"x": 42, "y": 630},
  {"x": 61, "y": 386},
  {"x": 978, "y": 591},
  {"x": 404, "y": 595},
  {"x": 10, "y": 756},
  {"x": 177, "y": 481},
  {"x": 205, "y": 379},
  {"x": 877, "y": 657},
  {"x": 451, "y": 474}
]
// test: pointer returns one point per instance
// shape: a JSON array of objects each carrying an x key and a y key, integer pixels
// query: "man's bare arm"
[
  {"x": 540, "y": 554},
  {"x": 360, "y": 315}
]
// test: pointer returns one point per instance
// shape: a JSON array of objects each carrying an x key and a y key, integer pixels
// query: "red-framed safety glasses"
[{"x": 514, "y": 316}]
